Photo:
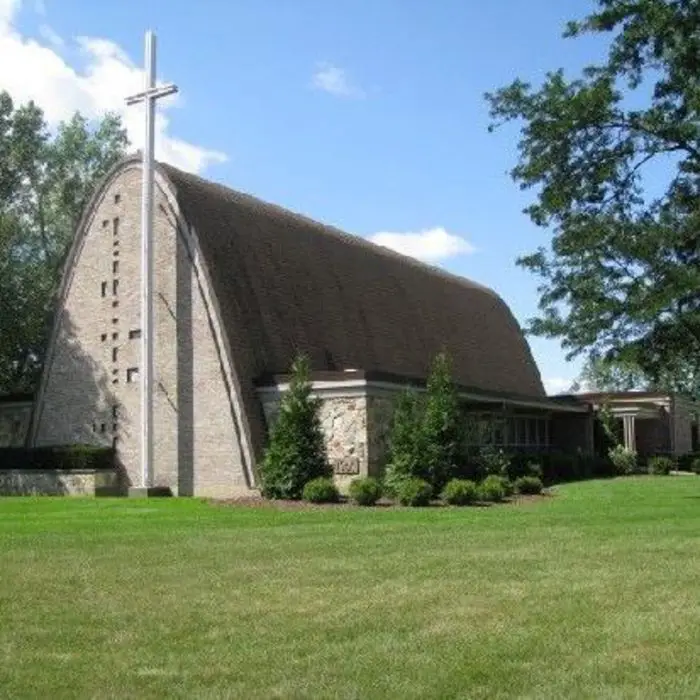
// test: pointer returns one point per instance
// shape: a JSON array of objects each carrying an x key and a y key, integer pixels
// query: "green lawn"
[{"x": 592, "y": 593}]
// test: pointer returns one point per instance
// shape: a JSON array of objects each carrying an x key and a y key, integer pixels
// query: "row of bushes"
[
  {"x": 68, "y": 458},
  {"x": 418, "y": 492},
  {"x": 627, "y": 462}
]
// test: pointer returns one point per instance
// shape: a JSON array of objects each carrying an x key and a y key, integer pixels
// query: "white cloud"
[
  {"x": 557, "y": 385},
  {"x": 432, "y": 245},
  {"x": 335, "y": 81},
  {"x": 33, "y": 69}
]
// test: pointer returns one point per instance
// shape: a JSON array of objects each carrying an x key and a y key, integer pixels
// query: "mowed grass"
[{"x": 591, "y": 593}]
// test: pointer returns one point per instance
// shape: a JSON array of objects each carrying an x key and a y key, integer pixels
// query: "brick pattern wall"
[{"x": 92, "y": 389}]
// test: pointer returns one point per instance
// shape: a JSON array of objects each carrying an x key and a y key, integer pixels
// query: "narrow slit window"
[
  {"x": 105, "y": 223},
  {"x": 115, "y": 411},
  {"x": 115, "y": 226},
  {"x": 115, "y": 287},
  {"x": 132, "y": 374},
  {"x": 103, "y": 337},
  {"x": 103, "y": 427},
  {"x": 115, "y": 336},
  {"x": 104, "y": 289},
  {"x": 115, "y": 266},
  {"x": 116, "y": 243},
  {"x": 135, "y": 334},
  {"x": 115, "y": 442},
  {"x": 117, "y": 198},
  {"x": 115, "y": 354}
]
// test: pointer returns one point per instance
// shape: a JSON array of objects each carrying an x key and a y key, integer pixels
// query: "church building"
[{"x": 240, "y": 287}]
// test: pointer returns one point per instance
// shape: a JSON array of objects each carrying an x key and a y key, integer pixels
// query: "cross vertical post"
[{"x": 147, "y": 374}]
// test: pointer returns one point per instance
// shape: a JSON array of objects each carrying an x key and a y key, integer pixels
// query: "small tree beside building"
[
  {"x": 296, "y": 453},
  {"x": 426, "y": 431}
]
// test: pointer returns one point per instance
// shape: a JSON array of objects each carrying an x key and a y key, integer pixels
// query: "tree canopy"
[
  {"x": 45, "y": 180},
  {"x": 614, "y": 158}
]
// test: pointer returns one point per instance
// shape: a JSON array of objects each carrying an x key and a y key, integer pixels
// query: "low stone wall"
[{"x": 26, "y": 482}]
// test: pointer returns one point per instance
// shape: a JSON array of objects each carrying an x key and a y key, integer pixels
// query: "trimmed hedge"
[
  {"x": 365, "y": 491},
  {"x": 63, "y": 457},
  {"x": 459, "y": 492},
  {"x": 321, "y": 490},
  {"x": 414, "y": 492}
]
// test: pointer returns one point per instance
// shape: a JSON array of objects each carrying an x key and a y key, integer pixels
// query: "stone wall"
[
  {"x": 18, "y": 482},
  {"x": 344, "y": 423},
  {"x": 14, "y": 423},
  {"x": 356, "y": 425}
]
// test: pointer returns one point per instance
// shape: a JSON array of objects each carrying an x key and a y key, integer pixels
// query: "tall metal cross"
[{"x": 149, "y": 97}]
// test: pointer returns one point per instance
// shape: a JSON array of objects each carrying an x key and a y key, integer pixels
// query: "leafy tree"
[
  {"x": 614, "y": 156},
  {"x": 600, "y": 374},
  {"x": 45, "y": 181},
  {"x": 426, "y": 435},
  {"x": 296, "y": 453},
  {"x": 441, "y": 429},
  {"x": 405, "y": 444}
]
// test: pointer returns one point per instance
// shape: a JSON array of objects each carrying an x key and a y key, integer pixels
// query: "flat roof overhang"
[{"x": 355, "y": 378}]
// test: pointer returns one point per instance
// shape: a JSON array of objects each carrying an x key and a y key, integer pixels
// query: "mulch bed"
[{"x": 257, "y": 501}]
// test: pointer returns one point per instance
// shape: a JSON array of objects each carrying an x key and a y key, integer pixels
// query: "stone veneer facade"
[
  {"x": 90, "y": 392},
  {"x": 355, "y": 421}
]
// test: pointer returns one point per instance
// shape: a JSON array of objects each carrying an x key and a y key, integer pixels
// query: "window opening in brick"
[
  {"x": 115, "y": 320},
  {"x": 117, "y": 197},
  {"x": 115, "y": 442},
  {"x": 115, "y": 287},
  {"x": 115, "y": 226},
  {"x": 103, "y": 337},
  {"x": 103, "y": 427},
  {"x": 104, "y": 289},
  {"x": 115, "y": 304},
  {"x": 132, "y": 374},
  {"x": 115, "y": 354},
  {"x": 105, "y": 223},
  {"x": 115, "y": 411},
  {"x": 116, "y": 253},
  {"x": 116, "y": 243},
  {"x": 115, "y": 266},
  {"x": 115, "y": 336},
  {"x": 135, "y": 334}
]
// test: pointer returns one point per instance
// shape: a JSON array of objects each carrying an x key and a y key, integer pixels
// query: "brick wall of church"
[{"x": 92, "y": 390}]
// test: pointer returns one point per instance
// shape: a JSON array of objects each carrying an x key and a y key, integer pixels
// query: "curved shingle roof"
[{"x": 285, "y": 283}]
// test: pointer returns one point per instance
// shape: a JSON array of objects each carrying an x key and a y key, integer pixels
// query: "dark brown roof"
[{"x": 285, "y": 283}]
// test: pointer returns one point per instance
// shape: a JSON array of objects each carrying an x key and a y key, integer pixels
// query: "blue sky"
[{"x": 368, "y": 115}]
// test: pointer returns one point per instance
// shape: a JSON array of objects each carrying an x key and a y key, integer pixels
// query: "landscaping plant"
[
  {"x": 365, "y": 492},
  {"x": 321, "y": 490},
  {"x": 414, "y": 492},
  {"x": 660, "y": 465},
  {"x": 459, "y": 492},
  {"x": 296, "y": 453},
  {"x": 528, "y": 485}
]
